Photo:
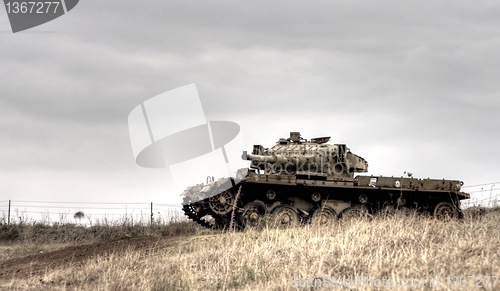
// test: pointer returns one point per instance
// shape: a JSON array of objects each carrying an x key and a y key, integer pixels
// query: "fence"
[
  {"x": 88, "y": 213},
  {"x": 483, "y": 195}
]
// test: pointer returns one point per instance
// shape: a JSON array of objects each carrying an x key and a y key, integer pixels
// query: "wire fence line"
[
  {"x": 482, "y": 195},
  {"x": 492, "y": 201},
  {"x": 85, "y": 212},
  {"x": 88, "y": 213},
  {"x": 480, "y": 185}
]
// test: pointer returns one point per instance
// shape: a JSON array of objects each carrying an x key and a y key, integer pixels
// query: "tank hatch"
[
  {"x": 295, "y": 136},
  {"x": 320, "y": 140}
]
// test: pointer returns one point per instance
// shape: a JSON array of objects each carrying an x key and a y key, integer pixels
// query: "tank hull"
[{"x": 258, "y": 196}]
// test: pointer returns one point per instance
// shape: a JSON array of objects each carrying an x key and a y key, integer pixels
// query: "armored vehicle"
[{"x": 297, "y": 181}]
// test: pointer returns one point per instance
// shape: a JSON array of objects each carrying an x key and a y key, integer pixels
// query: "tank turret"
[{"x": 297, "y": 156}]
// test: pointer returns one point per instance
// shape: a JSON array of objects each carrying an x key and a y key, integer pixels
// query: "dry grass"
[
  {"x": 394, "y": 249},
  {"x": 24, "y": 239}
]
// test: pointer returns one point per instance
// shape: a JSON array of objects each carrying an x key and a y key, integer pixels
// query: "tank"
[{"x": 299, "y": 181}]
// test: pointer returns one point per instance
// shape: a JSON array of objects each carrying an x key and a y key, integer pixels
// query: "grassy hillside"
[{"x": 415, "y": 252}]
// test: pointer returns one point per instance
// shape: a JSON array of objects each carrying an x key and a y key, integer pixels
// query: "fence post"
[
  {"x": 490, "y": 203},
  {"x": 8, "y": 215},
  {"x": 151, "y": 213}
]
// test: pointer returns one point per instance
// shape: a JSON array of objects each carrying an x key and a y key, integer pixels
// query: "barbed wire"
[
  {"x": 146, "y": 214},
  {"x": 76, "y": 202},
  {"x": 168, "y": 205},
  {"x": 492, "y": 194},
  {"x": 33, "y": 210},
  {"x": 477, "y": 185},
  {"x": 76, "y": 207},
  {"x": 480, "y": 200},
  {"x": 23, "y": 208},
  {"x": 483, "y": 190}
]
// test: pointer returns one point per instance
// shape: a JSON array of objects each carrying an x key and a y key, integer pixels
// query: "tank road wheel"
[
  {"x": 285, "y": 216},
  {"x": 355, "y": 212},
  {"x": 445, "y": 211},
  {"x": 253, "y": 213},
  {"x": 323, "y": 216},
  {"x": 221, "y": 203}
]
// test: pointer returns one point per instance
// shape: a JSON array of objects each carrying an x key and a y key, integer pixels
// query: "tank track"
[
  {"x": 212, "y": 212},
  {"x": 190, "y": 211}
]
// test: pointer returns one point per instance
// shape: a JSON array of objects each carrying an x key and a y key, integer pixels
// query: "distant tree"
[{"x": 79, "y": 215}]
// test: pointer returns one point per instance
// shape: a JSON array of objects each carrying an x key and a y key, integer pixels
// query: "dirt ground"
[{"x": 40, "y": 263}]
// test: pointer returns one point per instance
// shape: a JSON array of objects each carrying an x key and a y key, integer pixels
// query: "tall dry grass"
[{"x": 365, "y": 253}]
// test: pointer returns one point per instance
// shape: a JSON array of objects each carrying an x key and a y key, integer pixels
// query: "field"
[{"x": 401, "y": 252}]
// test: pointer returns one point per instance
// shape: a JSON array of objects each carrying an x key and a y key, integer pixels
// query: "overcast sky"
[{"x": 406, "y": 85}]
